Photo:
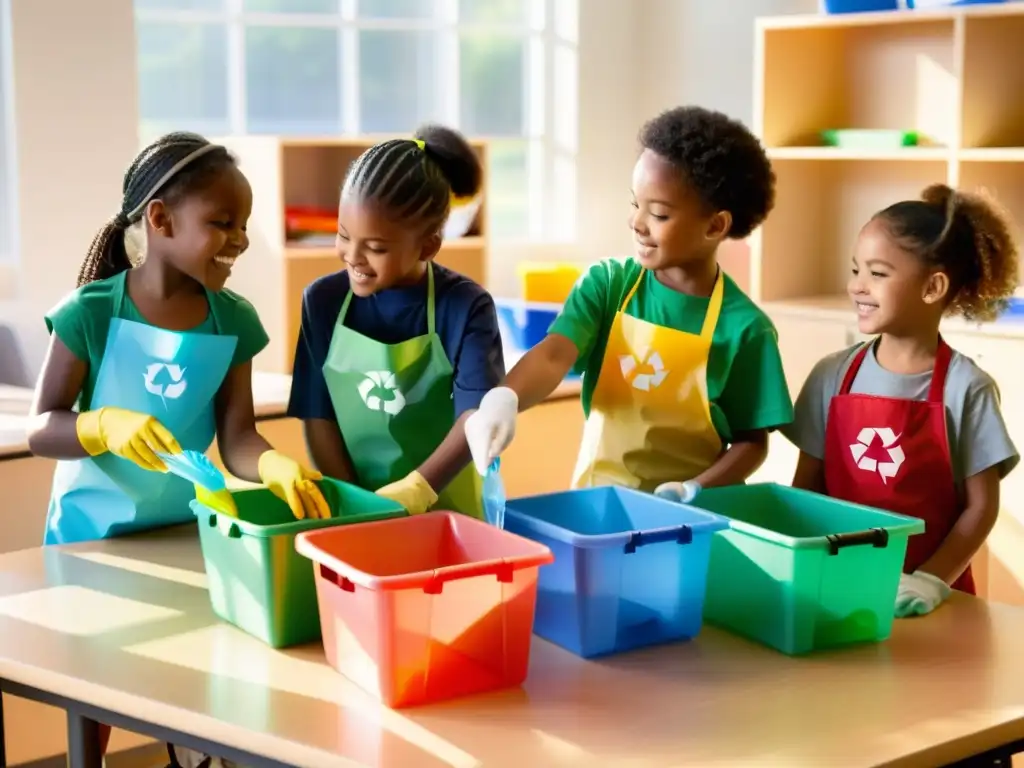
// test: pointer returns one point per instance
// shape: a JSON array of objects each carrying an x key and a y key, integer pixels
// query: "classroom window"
[
  {"x": 7, "y": 155},
  {"x": 491, "y": 68}
]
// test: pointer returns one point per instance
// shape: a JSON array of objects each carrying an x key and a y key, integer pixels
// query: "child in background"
[
  {"x": 903, "y": 422},
  {"x": 157, "y": 356},
  {"x": 682, "y": 379},
  {"x": 395, "y": 349}
]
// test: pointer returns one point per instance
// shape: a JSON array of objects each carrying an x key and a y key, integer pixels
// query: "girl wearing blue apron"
[
  {"x": 394, "y": 349},
  {"x": 157, "y": 356}
]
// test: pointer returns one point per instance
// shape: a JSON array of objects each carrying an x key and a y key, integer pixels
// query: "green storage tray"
[
  {"x": 868, "y": 138},
  {"x": 257, "y": 581},
  {"x": 802, "y": 572}
]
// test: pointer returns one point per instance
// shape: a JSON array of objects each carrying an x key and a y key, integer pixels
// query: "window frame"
[
  {"x": 548, "y": 30},
  {"x": 8, "y": 156}
]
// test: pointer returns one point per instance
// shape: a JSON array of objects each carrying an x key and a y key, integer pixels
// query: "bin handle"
[
  {"x": 876, "y": 537},
  {"x": 500, "y": 568},
  {"x": 680, "y": 535},
  {"x": 339, "y": 581}
]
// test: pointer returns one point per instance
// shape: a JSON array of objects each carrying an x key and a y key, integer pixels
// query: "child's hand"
[
  {"x": 138, "y": 437},
  {"x": 413, "y": 492},
  {"x": 920, "y": 593},
  {"x": 682, "y": 493},
  {"x": 293, "y": 484},
  {"x": 491, "y": 428}
]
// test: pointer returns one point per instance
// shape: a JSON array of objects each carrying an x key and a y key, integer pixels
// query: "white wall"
[
  {"x": 75, "y": 121},
  {"x": 702, "y": 51}
]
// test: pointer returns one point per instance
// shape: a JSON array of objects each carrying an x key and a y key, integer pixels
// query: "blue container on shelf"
[
  {"x": 630, "y": 569},
  {"x": 1014, "y": 311},
  {"x": 525, "y": 323},
  {"x": 926, "y": 4},
  {"x": 859, "y": 6}
]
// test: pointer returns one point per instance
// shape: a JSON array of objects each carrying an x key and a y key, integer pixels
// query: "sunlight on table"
[
  {"x": 74, "y": 610},
  {"x": 144, "y": 568},
  {"x": 224, "y": 652}
]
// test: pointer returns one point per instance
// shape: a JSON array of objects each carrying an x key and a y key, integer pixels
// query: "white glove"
[
  {"x": 490, "y": 430},
  {"x": 682, "y": 493},
  {"x": 920, "y": 593}
]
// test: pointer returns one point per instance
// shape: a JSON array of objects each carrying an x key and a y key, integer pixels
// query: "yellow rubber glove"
[
  {"x": 413, "y": 492},
  {"x": 131, "y": 435},
  {"x": 293, "y": 484},
  {"x": 219, "y": 501}
]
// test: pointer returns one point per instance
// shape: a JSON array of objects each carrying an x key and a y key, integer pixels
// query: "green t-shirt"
[
  {"x": 82, "y": 321},
  {"x": 746, "y": 384}
]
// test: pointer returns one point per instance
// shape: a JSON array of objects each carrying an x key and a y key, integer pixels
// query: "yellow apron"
[{"x": 650, "y": 417}]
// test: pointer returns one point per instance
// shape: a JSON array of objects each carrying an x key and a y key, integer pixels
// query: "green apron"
[{"x": 394, "y": 406}]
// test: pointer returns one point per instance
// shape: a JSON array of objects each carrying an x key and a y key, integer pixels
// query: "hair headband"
[{"x": 167, "y": 177}]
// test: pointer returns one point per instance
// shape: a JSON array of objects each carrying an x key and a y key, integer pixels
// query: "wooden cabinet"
[
  {"x": 540, "y": 460},
  {"x": 1000, "y": 565},
  {"x": 542, "y": 457},
  {"x": 803, "y": 341}
]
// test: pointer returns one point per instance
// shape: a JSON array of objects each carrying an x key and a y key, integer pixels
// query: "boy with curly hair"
[{"x": 682, "y": 377}]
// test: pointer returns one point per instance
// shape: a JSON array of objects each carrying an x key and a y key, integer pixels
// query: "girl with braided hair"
[
  {"x": 903, "y": 422},
  {"x": 394, "y": 349},
  {"x": 157, "y": 354}
]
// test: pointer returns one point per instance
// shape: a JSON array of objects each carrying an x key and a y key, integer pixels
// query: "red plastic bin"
[{"x": 425, "y": 608}]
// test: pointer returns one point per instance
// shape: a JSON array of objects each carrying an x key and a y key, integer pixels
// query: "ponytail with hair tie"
[{"x": 419, "y": 179}]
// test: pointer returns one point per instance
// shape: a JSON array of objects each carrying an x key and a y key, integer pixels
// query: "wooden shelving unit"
[
  {"x": 275, "y": 270},
  {"x": 955, "y": 76}
]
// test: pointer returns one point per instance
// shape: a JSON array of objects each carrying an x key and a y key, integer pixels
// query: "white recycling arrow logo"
[
  {"x": 643, "y": 381},
  {"x": 381, "y": 380},
  {"x": 169, "y": 386},
  {"x": 885, "y": 469}
]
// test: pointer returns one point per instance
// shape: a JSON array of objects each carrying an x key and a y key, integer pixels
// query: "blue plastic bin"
[
  {"x": 918, "y": 4},
  {"x": 859, "y": 6},
  {"x": 630, "y": 569},
  {"x": 525, "y": 323}
]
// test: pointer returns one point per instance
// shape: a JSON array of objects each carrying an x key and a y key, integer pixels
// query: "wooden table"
[{"x": 121, "y": 632}]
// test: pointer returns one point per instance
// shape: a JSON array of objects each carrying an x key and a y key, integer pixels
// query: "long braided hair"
[
  {"x": 171, "y": 168},
  {"x": 416, "y": 179}
]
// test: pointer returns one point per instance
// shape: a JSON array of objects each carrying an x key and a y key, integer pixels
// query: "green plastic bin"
[
  {"x": 802, "y": 572},
  {"x": 257, "y": 581}
]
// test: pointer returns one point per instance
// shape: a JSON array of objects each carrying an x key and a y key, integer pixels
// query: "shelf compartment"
[
  {"x": 313, "y": 173},
  {"x": 993, "y": 110},
  {"x": 808, "y": 240},
  {"x": 896, "y": 77},
  {"x": 839, "y": 154}
]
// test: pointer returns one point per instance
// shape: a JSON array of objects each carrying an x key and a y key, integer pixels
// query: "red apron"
[{"x": 894, "y": 454}]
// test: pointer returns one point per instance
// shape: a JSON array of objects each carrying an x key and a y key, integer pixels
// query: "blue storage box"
[
  {"x": 525, "y": 323},
  {"x": 858, "y": 6},
  {"x": 630, "y": 569},
  {"x": 925, "y": 4}
]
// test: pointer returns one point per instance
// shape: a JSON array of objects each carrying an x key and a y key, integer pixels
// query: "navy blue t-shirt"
[{"x": 465, "y": 320}]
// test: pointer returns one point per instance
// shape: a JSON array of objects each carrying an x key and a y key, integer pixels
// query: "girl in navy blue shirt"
[{"x": 394, "y": 349}]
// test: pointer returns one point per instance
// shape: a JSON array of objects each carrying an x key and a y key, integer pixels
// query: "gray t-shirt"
[{"x": 978, "y": 438}]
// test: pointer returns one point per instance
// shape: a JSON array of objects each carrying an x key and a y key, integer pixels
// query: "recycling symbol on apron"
[
  {"x": 890, "y": 442},
  {"x": 650, "y": 379},
  {"x": 165, "y": 380},
  {"x": 372, "y": 391}
]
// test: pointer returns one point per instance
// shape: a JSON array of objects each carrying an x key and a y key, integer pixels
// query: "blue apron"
[{"x": 171, "y": 375}]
